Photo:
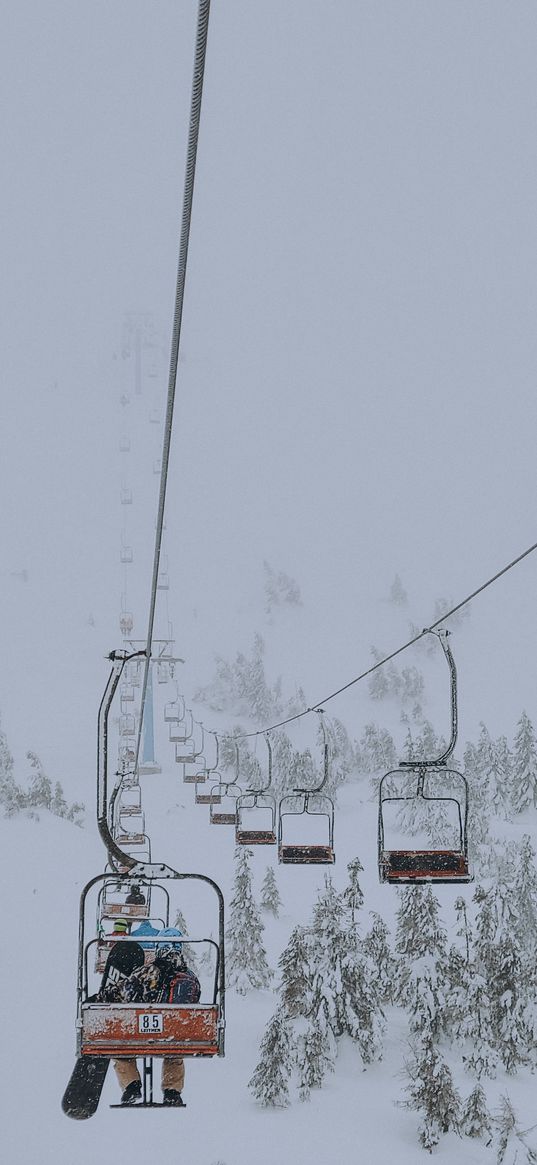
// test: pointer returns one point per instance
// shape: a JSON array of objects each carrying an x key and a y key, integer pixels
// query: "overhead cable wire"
[
  {"x": 317, "y": 707},
  {"x": 193, "y": 134}
]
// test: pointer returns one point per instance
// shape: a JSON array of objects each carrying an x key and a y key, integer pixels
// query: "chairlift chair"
[
  {"x": 190, "y": 751},
  {"x": 127, "y": 724},
  {"x": 309, "y": 804},
  {"x": 174, "y": 710},
  {"x": 208, "y": 796},
  {"x": 256, "y": 811},
  {"x": 118, "y": 1030},
  {"x": 195, "y": 772},
  {"x": 130, "y": 828},
  {"x": 223, "y": 803},
  {"x": 130, "y": 800},
  {"x": 179, "y": 733},
  {"x": 428, "y": 784}
]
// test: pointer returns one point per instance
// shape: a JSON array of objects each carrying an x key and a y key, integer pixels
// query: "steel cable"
[{"x": 190, "y": 171}]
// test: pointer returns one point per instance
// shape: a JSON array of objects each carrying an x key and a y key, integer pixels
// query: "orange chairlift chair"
[
  {"x": 114, "y": 1030},
  {"x": 442, "y": 794}
]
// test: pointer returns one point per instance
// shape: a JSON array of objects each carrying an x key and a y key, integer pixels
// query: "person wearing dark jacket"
[{"x": 166, "y": 980}]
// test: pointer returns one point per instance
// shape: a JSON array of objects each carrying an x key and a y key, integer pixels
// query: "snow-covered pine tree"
[
  {"x": 353, "y": 896},
  {"x": 412, "y": 687},
  {"x": 343, "y": 986},
  {"x": 377, "y": 949},
  {"x": 40, "y": 787},
  {"x": 419, "y": 934},
  {"x": 378, "y": 681},
  {"x": 524, "y": 768},
  {"x": 270, "y": 897},
  {"x": 317, "y": 1053},
  {"x": 295, "y": 964},
  {"x": 511, "y": 1145},
  {"x": 270, "y": 1081},
  {"x": 485, "y": 931},
  {"x": 500, "y": 778},
  {"x": 474, "y": 1025},
  {"x": 189, "y": 953},
  {"x": 463, "y": 926},
  {"x": 509, "y": 1003},
  {"x": 11, "y": 797},
  {"x": 525, "y": 894},
  {"x": 246, "y": 964},
  {"x": 432, "y": 1094},
  {"x": 398, "y": 594},
  {"x": 454, "y": 1009},
  {"x": 476, "y": 1120}
]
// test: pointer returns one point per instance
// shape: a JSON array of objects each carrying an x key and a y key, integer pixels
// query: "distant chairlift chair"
[
  {"x": 313, "y": 804},
  {"x": 256, "y": 811},
  {"x": 443, "y": 795}
]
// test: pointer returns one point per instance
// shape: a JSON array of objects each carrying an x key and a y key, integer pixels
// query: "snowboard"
[
  {"x": 83, "y": 1092},
  {"x": 124, "y": 958}
]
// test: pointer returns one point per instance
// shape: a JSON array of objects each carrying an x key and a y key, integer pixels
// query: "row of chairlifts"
[
  {"x": 438, "y": 796},
  {"x": 302, "y": 825}
]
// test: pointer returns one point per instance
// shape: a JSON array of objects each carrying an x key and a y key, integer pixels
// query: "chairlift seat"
[
  {"x": 224, "y": 818},
  {"x": 194, "y": 778},
  {"x": 320, "y": 855},
  {"x": 119, "y": 1029},
  {"x": 125, "y": 910},
  {"x": 397, "y": 866},
  {"x": 255, "y": 837},
  {"x": 207, "y": 798}
]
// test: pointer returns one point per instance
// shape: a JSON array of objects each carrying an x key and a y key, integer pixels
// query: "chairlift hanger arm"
[
  {"x": 119, "y": 660},
  {"x": 317, "y": 788},
  {"x": 442, "y": 635}
]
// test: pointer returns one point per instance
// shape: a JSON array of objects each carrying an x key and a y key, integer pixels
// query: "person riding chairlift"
[{"x": 167, "y": 979}]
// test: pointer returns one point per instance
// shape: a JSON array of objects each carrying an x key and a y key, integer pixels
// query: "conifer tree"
[
  {"x": 270, "y": 898},
  {"x": 500, "y": 781},
  {"x": 353, "y": 894},
  {"x": 524, "y": 773},
  {"x": 40, "y": 786},
  {"x": 378, "y": 681},
  {"x": 511, "y": 1145},
  {"x": 377, "y": 949},
  {"x": 247, "y": 965},
  {"x": 485, "y": 931},
  {"x": 398, "y": 594},
  {"x": 317, "y": 1053},
  {"x": 419, "y": 933},
  {"x": 189, "y": 954},
  {"x": 10, "y": 793},
  {"x": 509, "y": 1004},
  {"x": 270, "y": 1081},
  {"x": 476, "y": 1120},
  {"x": 525, "y": 894},
  {"x": 343, "y": 986},
  {"x": 475, "y": 1026},
  {"x": 297, "y": 973},
  {"x": 432, "y": 1094}
]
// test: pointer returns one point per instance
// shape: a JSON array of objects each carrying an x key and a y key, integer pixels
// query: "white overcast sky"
[{"x": 357, "y": 390}]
